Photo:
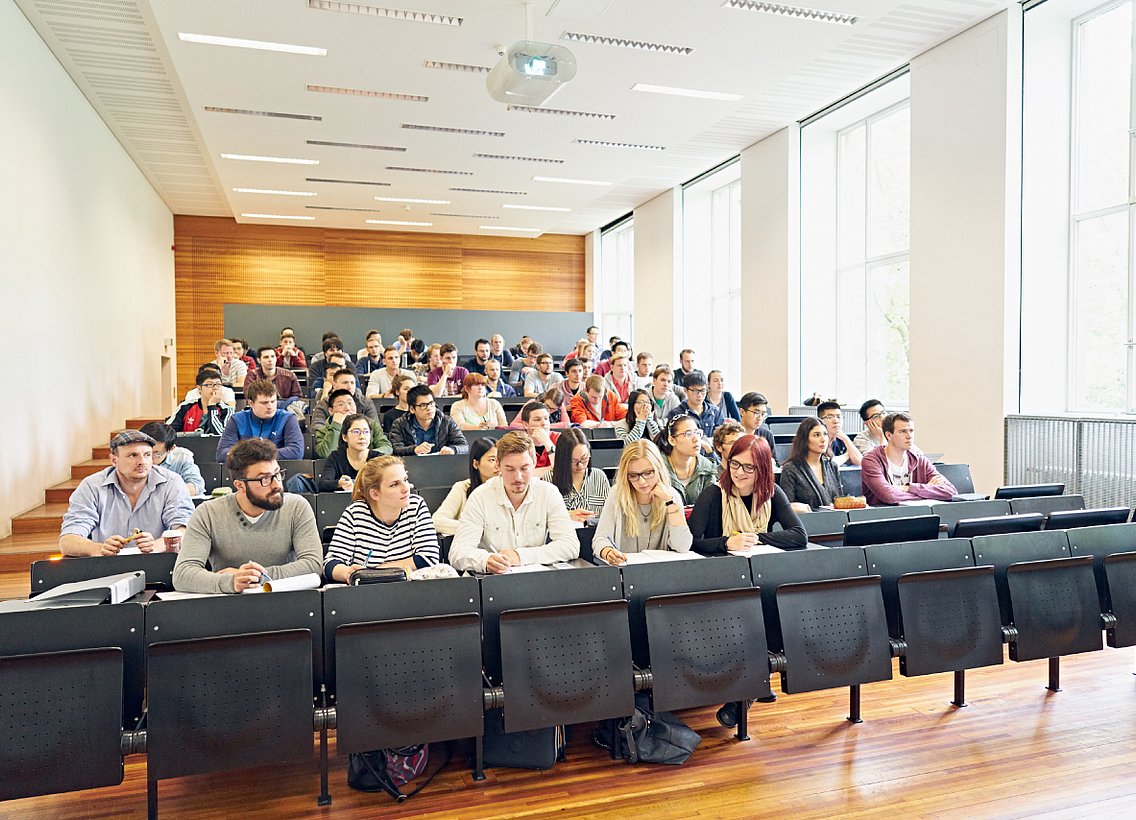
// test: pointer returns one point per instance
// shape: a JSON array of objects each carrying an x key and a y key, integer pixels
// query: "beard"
[{"x": 273, "y": 500}]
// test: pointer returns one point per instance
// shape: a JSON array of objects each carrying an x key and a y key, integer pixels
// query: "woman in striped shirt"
[
  {"x": 384, "y": 526},
  {"x": 639, "y": 423},
  {"x": 584, "y": 489}
]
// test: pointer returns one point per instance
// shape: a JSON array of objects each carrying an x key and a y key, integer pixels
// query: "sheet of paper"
[
  {"x": 308, "y": 581},
  {"x": 656, "y": 556},
  {"x": 529, "y": 568},
  {"x": 184, "y": 596},
  {"x": 159, "y": 546},
  {"x": 759, "y": 549}
]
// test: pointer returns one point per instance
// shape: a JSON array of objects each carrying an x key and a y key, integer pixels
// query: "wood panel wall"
[{"x": 218, "y": 261}]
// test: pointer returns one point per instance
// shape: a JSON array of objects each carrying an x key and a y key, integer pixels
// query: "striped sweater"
[{"x": 363, "y": 540}]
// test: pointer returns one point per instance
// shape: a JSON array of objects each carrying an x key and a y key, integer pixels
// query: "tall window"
[
  {"x": 712, "y": 273},
  {"x": 1101, "y": 329},
  {"x": 855, "y": 251},
  {"x": 615, "y": 283}
]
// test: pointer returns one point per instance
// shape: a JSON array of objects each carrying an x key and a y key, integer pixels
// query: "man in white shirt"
[
  {"x": 233, "y": 370},
  {"x": 644, "y": 370},
  {"x": 542, "y": 380},
  {"x": 379, "y": 382},
  {"x": 872, "y": 413},
  {"x": 507, "y": 521}
]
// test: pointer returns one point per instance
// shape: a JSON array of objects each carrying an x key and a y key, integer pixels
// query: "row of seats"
[{"x": 394, "y": 664}]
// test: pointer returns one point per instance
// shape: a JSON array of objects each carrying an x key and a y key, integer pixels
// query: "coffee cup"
[{"x": 172, "y": 540}]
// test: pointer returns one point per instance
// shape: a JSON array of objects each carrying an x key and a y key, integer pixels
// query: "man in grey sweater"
[{"x": 257, "y": 531}]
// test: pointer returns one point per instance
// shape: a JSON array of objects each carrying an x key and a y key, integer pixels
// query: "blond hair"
[
  {"x": 623, "y": 494},
  {"x": 515, "y": 441},
  {"x": 371, "y": 476}
]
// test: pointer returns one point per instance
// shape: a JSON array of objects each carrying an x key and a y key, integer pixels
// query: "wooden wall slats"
[{"x": 219, "y": 261}]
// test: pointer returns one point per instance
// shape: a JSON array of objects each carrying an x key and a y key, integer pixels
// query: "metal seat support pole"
[
  {"x": 960, "y": 689},
  {"x": 743, "y": 720},
  {"x": 152, "y": 799},
  {"x": 854, "y": 704},
  {"x": 1054, "y": 675}
]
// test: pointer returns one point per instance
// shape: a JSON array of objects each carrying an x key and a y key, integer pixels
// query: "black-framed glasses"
[
  {"x": 424, "y": 404},
  {"x": 646, "y": 475},
  {"x": 581, "y": 462},
  {"x": 748, "y": 469},
  {"x": 266, "y": 480},
  {"x": 878, "y": 415}
]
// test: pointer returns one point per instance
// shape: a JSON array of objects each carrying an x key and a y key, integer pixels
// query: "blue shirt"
[
  {"x": 708, "y": 419},
  {"x": 430, "y": 434},
  {"x": 99, "y": 508}
]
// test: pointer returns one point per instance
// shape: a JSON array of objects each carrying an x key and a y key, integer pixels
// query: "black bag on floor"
[
  {"x": 647, "y": 736},
  {"x": 384, "y": 770},
  {"x": 536, "y": 749}
]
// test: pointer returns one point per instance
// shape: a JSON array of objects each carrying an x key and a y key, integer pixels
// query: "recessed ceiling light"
[
  {"x": 270, "y": 191},
  {"x": 686, "y": 92},
  {"x": 284, "y": 160},
  {"x": 464, "y": 216},
  {"x": 378, "y": 95},
  {"x": 349, "y": 181},
  {"x": 464, "y": 68},
  {"x": 260, "y": 45},
  {"x": 356, "y": 145},
  {"x": 793, "y": 11},
  {"x": 537, "y": 208},
  {"x": 489, "y": 191},
  {"x": 213, "y": 109},
  {"x": 276, "y": 216},
  {"x": 340, "y": 208},
  {"x": 642, "y": 45},
  {"x": 412, "y": 200},
  {"x": 379, "y": 11},
  {"x": 429, "y": 170},
  {"x": 508, "y": 228},
  {"x": 472, "y": 132},
  {"x": 562, "y": 112},
  {"x": 515, "y": 158},
  {"x": 608, "y": 144},
  {"x": 399, "y": 222},
  {"x": 571, "y": 181}
]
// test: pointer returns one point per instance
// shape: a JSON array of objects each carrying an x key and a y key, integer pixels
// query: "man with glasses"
[
  {"x": 695, "y": 405},
  {"x": 169, "y": 456},
  {"x": 872, "y": 413},
  {"x": 425, "y": 431},
  {"x": 205, "y": 411},
  {"x": 258, "y": 533},
  {"x": 130, "y": 503},
  {"x": 540, "y": 381},
  {"x": 842, "y": 449},
  {"x": 513, "y": 519},
  {"x": 261, "y": 419},
  {"x": 754, "y": 408}
]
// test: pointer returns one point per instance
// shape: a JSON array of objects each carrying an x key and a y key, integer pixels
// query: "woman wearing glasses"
[
  {"x": 740, "y": 513},
  {"x": 643, "y": 511},
  {"x": 346, "y": 462},
  {"x": 640, "y": 422},
  {"x": 385, "y": 525},
  {"x": 482, "y": 467},
  {"x": 809, "y": 477},
  {"x": 689, "y": 471},
  {"x": 585, "y": 488}
]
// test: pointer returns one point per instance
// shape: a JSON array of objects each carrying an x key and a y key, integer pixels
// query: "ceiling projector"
[{"x": 528, "y": 73}]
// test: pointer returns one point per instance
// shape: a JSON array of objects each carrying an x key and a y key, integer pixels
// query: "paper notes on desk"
[
  {"x": 759, "y": 549},
  {"x": 307, "y": 581},
  {"x": 528, "y": 568},
  {"x": 656, "y": 556}
]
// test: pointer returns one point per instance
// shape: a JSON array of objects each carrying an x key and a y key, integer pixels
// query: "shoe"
[{"x": 728, "y": 715}]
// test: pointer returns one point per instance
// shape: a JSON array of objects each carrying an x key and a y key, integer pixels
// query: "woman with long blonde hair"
[{"x": 643, "y": 511}]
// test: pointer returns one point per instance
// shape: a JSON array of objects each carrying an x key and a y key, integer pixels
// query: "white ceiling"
[{"x": 153, "y": 90}]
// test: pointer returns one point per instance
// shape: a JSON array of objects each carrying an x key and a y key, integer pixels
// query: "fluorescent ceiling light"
[
  {"x": 276, "y": 216},
  {"x": 260, "y": 45},
  {"x": 643, "y": 45},
  {"x": 284, "y": 160},
  {"x": 793, "y": 11},
  {"x": 393, "y": 14},
  {"x": 412, "y": 200},
  {"x": 569, "y": 181},
  {"x": 686, "y": 92},
  {"x": 537, "y": 208},
  {"x": 270, "y": 191},
  {"x": 507, "y": 228},
  {"x": 399, "y": 222}
]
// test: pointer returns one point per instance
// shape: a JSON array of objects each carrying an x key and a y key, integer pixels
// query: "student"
[
  {"x": 380, "y": 384},
  {"x": 447, "y": 378},
  {"x": 261, "y": 419},
  {"x": 595, "y": 405},
  {"x": 689, "y": 471},
  {"x": 718, "y": 396},
  {"x": 809, "y": 476},
  {"x": 482, "y": 467},
  {"x": 291, "y": 356},
  {"x": 584, "y": 487},
  {"x": 474, "y": 410},
  {"x": 618, "y": 376},
  {"x": 739, "y": 514},
  {"x": 347, "y": 460},
  {"x": 287, "y": 386},
  {"x": 663, "y": 397},
  {"x": 639, "y": 422},
  {"x": 643, "y": 512},
  {"x": 842, "y": 449},
  {"x": 257, "y": 531},
  {"x": 340, "y": 404},
  {"x": 872, "y": 413},
  {"x": 694, "y": 405},
  {"x": 176, "y": 459},
  {"x": 725, "y": 435},
  {"x": 753, "y": 409},
  {"x": 400, "y": 386},
  {"x": 426, "y": 430},
  {"x": 535, "y": 419},
  {"x": 513, "y": 519},
  {"x": 385, "y": 525},
  {"x": 498, "y": 387},
  {"x": 897, "y": 472},
  {"x": 542, "y": 379},
  {"x": 206, "y": 412}
]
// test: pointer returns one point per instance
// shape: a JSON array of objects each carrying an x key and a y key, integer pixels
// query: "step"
[
  {"x": 134, "y": 424},
  {"x": 100, "y": 452},
  {"x": 89, "y": 467},
  {"x": 46, "y": 518},
  {"x": 23, "y": 549},
  {"x": 61, "y": 492}
]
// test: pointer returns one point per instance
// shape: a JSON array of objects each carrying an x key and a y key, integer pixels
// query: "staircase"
[{"x": 35, "y": 534}]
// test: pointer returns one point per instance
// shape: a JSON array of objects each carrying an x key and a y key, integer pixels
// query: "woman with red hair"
[{"x": 738, "y": 514}]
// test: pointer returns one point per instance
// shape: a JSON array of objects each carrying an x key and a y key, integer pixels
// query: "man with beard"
[{"x": 255, "y": 533}]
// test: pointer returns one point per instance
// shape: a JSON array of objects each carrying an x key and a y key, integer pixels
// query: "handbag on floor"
[
  {"x": 384, "y": 770},
  {"x": 534, "y": 749},
  {"x": 647, "y": 736}
]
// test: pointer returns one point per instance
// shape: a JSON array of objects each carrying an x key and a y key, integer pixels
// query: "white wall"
[
  {"x": 86, "y": 275},
  {"x": 770, "y": 361},
  {"x": 965, "y": 104},
  {"x": 658, "y": 259}
]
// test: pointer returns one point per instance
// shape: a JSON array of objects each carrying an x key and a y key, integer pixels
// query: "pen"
[
  {"x": 130, "y": 538},
  {"x": 367, "y": 560}
]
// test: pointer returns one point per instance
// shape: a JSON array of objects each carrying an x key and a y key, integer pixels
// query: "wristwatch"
[{"x": 670, "y": 503}]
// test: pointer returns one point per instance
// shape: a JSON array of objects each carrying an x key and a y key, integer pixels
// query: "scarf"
[{"x": 736, "y": 518}]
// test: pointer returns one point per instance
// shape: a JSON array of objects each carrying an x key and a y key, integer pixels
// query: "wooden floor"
[{"x": 1016, "y": 751}]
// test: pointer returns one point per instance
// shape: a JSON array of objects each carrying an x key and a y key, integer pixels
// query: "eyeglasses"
[
  {"x": 756, "y": 412},
  {"x": 686, "y": 433},
  {"x": 646, "y": 475},
  {"x": 265, "y": 480},
  {"x": 359, "y": 432},
  {"x": 830, "y": 417},
  {"x": 423, "y": 405},
  {"x": 743, "y": 468},
  {"x": 878, "y": 415},
  {"x": 211, "y": 385},
  {"x": 581, "y": 462},
  {"x": 697, "y": 390}
]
